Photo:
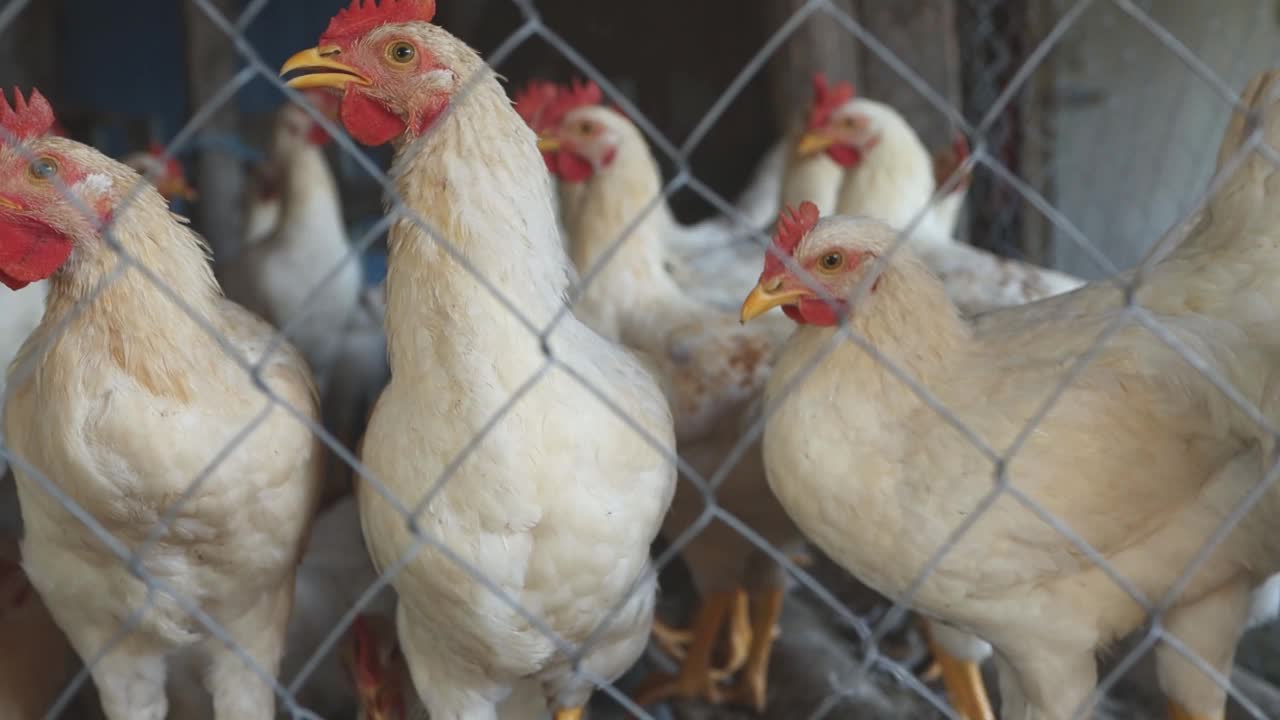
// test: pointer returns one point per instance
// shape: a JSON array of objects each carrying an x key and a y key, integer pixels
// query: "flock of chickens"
[{"x": 518, "y": 390}]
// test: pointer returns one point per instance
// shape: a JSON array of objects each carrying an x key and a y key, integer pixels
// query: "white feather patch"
[{"x": 94, "y": 185}]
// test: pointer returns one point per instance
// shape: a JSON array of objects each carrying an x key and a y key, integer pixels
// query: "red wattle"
[
  {"x": 845, "y": 155},
  {"x": 318, "y": 136},
  {"x": 816, "y": 311},
  {"x": 573, "y": 168},
  {"x": 369, "y": 121},
  {"x": 29, "y": 253}
]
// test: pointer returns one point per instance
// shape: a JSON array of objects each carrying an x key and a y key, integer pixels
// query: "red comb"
[
  {"x": 827, "y": 99},
  {"x": 793, "y": 225},
  {"x": 533, "y": 100},
  {"x": 571, "y": 97},
  {"x": 365, "y": 15},
  {"x": 26, "y": 119}
]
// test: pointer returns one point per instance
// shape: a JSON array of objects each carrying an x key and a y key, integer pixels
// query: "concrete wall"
[{"x": 1135, "y": 132}]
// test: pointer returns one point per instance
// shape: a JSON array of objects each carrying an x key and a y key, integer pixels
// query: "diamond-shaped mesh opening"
[{"x": 1093, "y": 126}]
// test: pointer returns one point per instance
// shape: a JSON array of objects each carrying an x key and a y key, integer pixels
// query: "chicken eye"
[
  {"x": 401, "y": 52},
  {"x": 832, "y": 261},
  {"x": 585, "y": 127},
  {"x": 43, "y": 169}
]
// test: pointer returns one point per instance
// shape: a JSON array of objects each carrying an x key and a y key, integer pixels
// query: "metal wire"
[{"x": 870, "y": 632}]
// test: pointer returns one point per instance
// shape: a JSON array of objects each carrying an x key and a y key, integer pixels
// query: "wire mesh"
[{"x": 983, "y": 119}]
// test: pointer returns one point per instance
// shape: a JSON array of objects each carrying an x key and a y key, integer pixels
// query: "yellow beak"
[
  {"x": 546, "y": 143},
  {"x": 814, "y": 141},
  {"x": 8, "y": 204},
  {"x": 317, "y": 59},
  {"x": 763, "y": 299}
]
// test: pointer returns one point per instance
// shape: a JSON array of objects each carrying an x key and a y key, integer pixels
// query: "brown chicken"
[{"x": 1141, "y": 456}]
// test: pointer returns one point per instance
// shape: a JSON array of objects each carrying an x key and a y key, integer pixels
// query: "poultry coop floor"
[{"x": 815, "y": 669}]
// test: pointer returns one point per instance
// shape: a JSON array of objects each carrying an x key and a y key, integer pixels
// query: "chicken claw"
[
  {"x": 568, "y": 714},
  {"x": 696, "y": 678},
  {"x": 672, "y": 640},
  {"x": 675, "y": 641}
]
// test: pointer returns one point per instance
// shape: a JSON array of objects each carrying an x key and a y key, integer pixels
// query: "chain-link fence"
[{"x": 136, "y": 564}]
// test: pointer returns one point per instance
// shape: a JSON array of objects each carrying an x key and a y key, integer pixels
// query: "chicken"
[
  {"x": 890, "y": 176},
  {"x": 335, "y": 572},
  {"x": 37, "y": 663},
  {"x": 306, "y": 279},
  {"x": 699, "y": 255},
  {"x": 711, "y": 366},
  {"x": 262, "y": 203},
  {"x": 1140, "y": 455},
  {"x": 156, "y": 400},
  {"x": 162, "y": 171},
  {"x": 551, "y": 498}
]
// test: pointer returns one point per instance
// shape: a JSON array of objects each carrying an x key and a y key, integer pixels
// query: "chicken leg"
[
  {"x": 696, "y": 678},
  {"x": 675, "y": 641},
  {"x": 568, "y": 714},
  {"x": 963, "y": 681},
  {"x": 752, "y": 684}
]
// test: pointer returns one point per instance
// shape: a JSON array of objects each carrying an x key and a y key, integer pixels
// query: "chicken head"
[
  {"x": 840, "y": 124},
  {"x": 812, "y": 271},
  {"x": 55, "y": 194},
  {"x": 395, "y": 71},
  {"x": 163, "y": 170},
  {"x": 580, "y": 136}
]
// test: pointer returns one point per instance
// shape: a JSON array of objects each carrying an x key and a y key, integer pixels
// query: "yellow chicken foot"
[
  {"x": 568, "y": 714},
  {"x": 675, "y": 641},
  {"x": 1177, "y": 712},
  {"x": 753, "y": 683},
  {"x": 672, "y": 640},
  {"x": 963, "y": 681},
  {"x": 740, "y": 635},
  {"x": 696, "y": 678}
]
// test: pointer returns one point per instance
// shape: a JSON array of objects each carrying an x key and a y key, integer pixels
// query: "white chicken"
[
  {"x": 536, "y": 486},
  {"x": 890, "y": 176},
  {"x": 1141, "y": 455},
  {"x": 712, "y": 367},
  {"x": 130, "y": 403}
]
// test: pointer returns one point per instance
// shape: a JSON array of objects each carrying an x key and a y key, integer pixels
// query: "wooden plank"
[
  {"x": 922, "y": 34},
  {"x": 820, "y": 44},
  {"x": 219, "y": 177}
]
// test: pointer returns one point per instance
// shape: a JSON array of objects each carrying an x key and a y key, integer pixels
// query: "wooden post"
[
  {"x": 219, "y": 177},
  {"x": 820, "y": 44},
  {"x": 922, "y": 34},
  {"x": 993, "y": 40}
]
